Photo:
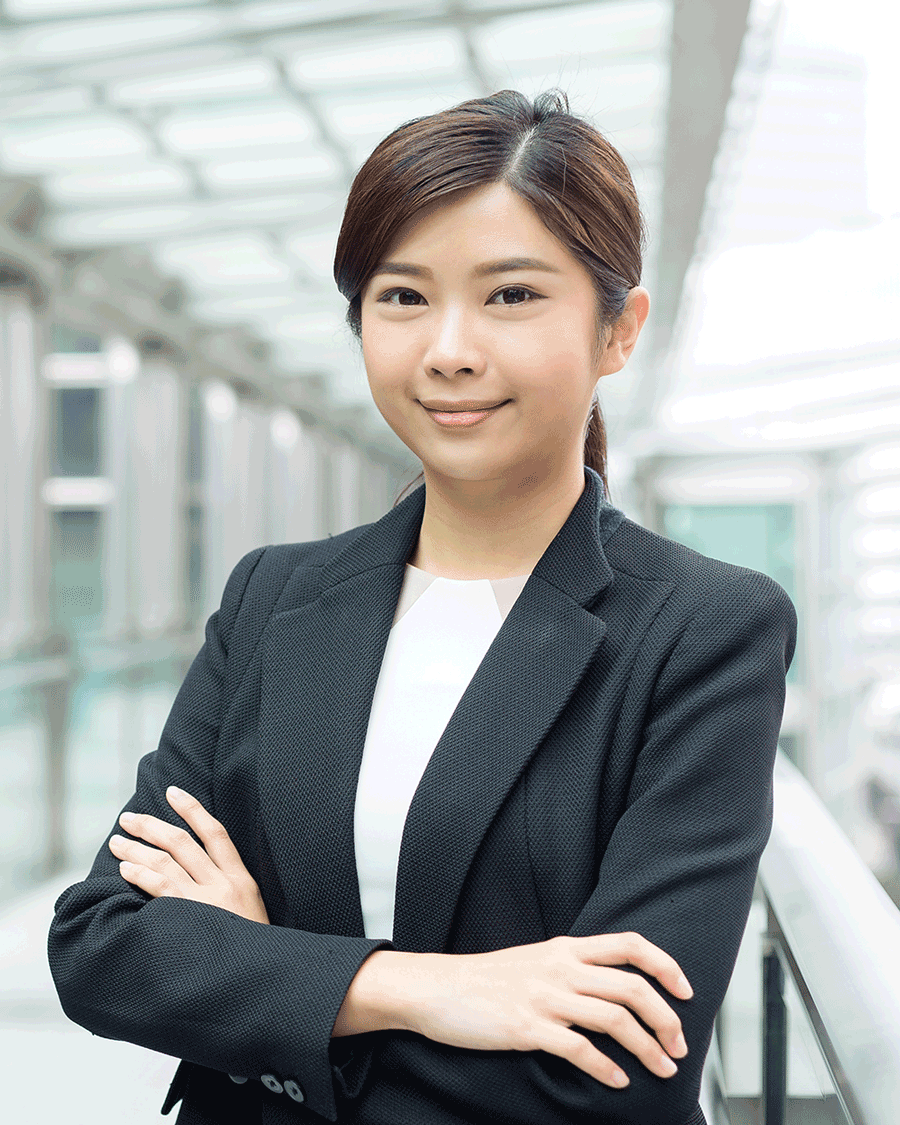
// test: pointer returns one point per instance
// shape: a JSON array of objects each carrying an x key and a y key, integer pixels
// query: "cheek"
[{"x": 383, "y": 340}]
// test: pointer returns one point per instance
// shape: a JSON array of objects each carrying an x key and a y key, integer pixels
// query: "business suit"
[{"x": 608, "y": 768}]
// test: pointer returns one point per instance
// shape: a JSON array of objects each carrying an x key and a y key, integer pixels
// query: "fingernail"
[
  {"x": 680, "y": 1045},
  {"x": 174, "y": 791},
  {"x": 126, "y": 818},
  {"x": 668, "y": 1066},
  {"x": 684, "y": 987},
  {"x": 619, "y": 1078}
]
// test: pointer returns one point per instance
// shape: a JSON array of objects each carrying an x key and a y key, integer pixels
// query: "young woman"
[{"x": 469, "y": 791}]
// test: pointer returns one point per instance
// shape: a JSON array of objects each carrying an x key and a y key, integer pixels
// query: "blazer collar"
[
  {"x": 319, "y": 667},
  {"x": 574, "y": 562}
]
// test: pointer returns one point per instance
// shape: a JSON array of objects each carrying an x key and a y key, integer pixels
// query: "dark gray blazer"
[{"x": 608, "y": 769}]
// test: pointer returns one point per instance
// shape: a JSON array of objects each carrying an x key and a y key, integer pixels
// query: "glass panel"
[
  {"x": 811, "y": 1093},
  {"x": 76, "y": 447},
  {"x": 116, "y": 719},
  {"x": 66, "y": 339},
  {"x": 76, "y": 544},
  {"x": 759, "y": 536}
]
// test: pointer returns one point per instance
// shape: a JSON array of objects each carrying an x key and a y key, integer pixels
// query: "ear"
[{"x": 625, "y": 331}]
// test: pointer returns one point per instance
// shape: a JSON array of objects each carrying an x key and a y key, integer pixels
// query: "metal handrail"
[{"x": 835, "y": 929}]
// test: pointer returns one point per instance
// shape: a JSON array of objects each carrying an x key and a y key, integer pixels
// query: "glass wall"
[{"x": 759, "y": 536}]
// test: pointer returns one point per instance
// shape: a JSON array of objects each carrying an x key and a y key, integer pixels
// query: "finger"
[
  {"x": 616, "y": 986},
  {"x": 597, "y": 1014},
  {"x": 155, "y": 884},
  {"x": 175, "y": 841},
  {"x": 558, "y": 1040},
  {"x": 212, "y": 832},
  {"x": 153, "y": 860},
  {"x": 634, "y": 949}
]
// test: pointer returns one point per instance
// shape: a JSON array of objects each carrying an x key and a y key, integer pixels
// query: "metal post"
[
  {"x": 774, "y": 1038},
  {"x": 54, "y": 701}
]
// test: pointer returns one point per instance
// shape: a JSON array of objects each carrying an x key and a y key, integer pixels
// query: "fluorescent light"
[
  {"x": 618, "y": 29},
  {"x": 79, "y": 38},
  {"x": 736, "y": 481},
  {"x": 118, "y": 182},
  {"x": 77, "y": 492},
  {"x": 880, "y": 582},
  {"x": 244, "y": 76},
  {"x": 880, "y": 621},
  {"x": 285, "y": 429},
  {"x": 67, "y": 101},
  {"x": 230, "y": 128},
  {"x": 50, "y": 144},
  {"x": 220, "y": 401},
  {"x": 293, "y": 12},
  {"x": 363, "y": 116},
  {"x": 882, "y": 460},
  {"x": 232, "y": 261},
  {"x": 136, "y": 224},
  {"x": 880, "y": 501},
  {"x": 243, "y": 307},
  {"x": 312, "y": 165},
  {"x": 78, "y": 370},
  {"x": 122, "y": 226},
  {"x": 784, "y": 395},
  {"x": 844, "y": 424},
  {"x": 877, "y": 541},
  {"x": 40, "y": 9},
  {"x": 429, "y": 54}
]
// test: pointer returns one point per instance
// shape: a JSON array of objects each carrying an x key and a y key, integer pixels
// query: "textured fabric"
[
  {"x": 441, "y": 631},
  {"x": 608, "y": 769}
]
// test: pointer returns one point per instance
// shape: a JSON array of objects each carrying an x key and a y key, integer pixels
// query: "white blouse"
[{"x": 442, "y": 629}]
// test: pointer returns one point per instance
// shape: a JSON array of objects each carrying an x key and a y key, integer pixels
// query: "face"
[{"x": 451, "y": 334}]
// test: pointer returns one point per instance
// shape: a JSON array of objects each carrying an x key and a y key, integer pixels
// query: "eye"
[{"x": 384, "y": 298}]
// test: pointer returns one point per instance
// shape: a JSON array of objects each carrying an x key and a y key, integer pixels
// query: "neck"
[{"x": 492, "y": 529}]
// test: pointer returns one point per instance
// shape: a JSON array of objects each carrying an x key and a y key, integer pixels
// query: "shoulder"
[
  {"x": 267, "y": 570},
  {"x": 697, "y": 582}
]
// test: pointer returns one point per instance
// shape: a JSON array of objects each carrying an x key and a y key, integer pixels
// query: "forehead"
[{"x": 483, "y": 227}]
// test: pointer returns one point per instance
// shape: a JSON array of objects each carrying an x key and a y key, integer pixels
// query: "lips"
[
  {"x": 459, "y": 418},
  {"x": 464, "y": 408}
]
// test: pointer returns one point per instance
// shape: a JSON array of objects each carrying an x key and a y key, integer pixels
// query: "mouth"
[{"x": 463, "y": 417}]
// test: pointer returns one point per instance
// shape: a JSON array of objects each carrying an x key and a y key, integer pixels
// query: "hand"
[
  {"x": 526, "y": 998},
  {"x": 183, "y": 869}
]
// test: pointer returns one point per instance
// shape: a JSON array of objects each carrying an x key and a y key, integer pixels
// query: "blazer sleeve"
[
  {"x": 186, "y": 978},
  {"x": 679, "y": 869}
]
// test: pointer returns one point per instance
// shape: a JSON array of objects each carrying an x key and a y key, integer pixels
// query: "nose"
[{"x": 452, "y": 348}]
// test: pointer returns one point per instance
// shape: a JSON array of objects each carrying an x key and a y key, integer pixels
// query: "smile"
[{"x": 462, "y": 417}]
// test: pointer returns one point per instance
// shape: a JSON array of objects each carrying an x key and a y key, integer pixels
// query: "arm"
[
  {"x": 188, "y": 978},
  {"x": 679, "y": 870}
]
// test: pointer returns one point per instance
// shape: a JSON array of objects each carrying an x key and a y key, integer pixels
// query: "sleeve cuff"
[{"x": 351, "y": 1057}]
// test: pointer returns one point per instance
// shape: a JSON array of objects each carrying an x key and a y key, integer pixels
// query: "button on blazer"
[{"x": 608, "y": 769}]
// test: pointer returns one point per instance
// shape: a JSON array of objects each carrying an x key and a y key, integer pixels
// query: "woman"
[{"x": 467, "y": 791}]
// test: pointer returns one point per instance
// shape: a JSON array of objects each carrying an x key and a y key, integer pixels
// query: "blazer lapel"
[{"x": 320, "y": 666}]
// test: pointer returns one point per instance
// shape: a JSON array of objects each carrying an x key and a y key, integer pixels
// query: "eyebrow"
[{"x": 503, "y": 265}]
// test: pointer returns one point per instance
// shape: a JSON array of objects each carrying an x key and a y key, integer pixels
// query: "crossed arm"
[{"x": 222, "y": 988}]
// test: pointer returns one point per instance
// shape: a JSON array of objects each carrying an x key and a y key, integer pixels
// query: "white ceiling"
[
  {"x": 224, "y": 136},
  {"x": 789, "y": 335}
]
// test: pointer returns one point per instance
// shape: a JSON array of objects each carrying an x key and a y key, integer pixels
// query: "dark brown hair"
[{"x": 577, "y": 183}]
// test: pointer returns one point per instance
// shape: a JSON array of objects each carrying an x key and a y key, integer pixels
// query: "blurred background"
[{"x": 178, "y": 386}]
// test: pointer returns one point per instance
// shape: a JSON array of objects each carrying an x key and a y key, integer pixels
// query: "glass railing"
[
  {"x": 809, "y": 1033},
  {"x": 75, "y": 719}
]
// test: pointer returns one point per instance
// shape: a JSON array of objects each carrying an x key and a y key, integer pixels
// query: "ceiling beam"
[{"x": 705, "y": 46}]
